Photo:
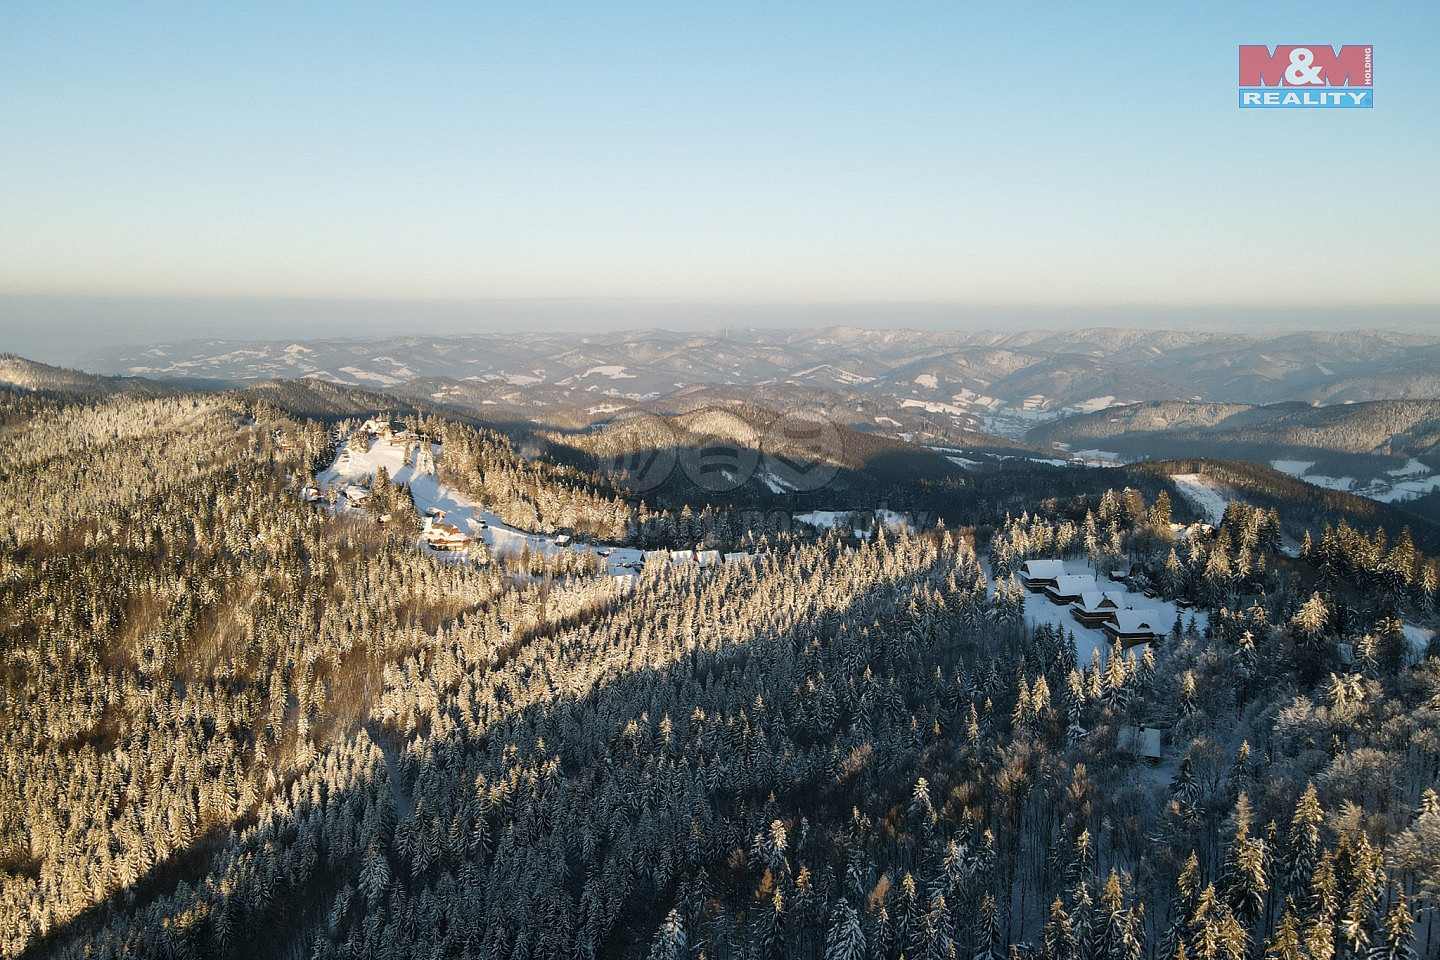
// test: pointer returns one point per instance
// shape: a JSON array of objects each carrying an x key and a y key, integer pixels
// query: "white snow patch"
[
  {"x": 379, "y": 378},
  {"x": 1417, "y": 639},
  {"x": 613, "y": 372},
  {"x": 1296, "y": 468},
  {"x": 514, "y": 379},
  {"x": 927, "y": 380},
  {"x": 1408, "y": 490},
  {"x": 841, "y": 375},
  {"x": 1093, "y": 405},
  {"x": 892, "y": 519},
  {"x": 970, "y": 398},
  {"x": 962, "y": 463},
  {"x": 887, "y": 421},
  {"x": 1200, "y": 492},
  {"x": 1331, "y": 483},
  {"x": 930, "y": 406},
  {"x": 775, "y": 484},
  {"x": 1410, "y": 469}
]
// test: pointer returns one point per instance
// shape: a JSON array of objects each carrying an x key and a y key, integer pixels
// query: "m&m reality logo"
[{"x": 1314, "y": 75}]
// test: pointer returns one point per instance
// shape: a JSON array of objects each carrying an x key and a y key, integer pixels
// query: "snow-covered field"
[
  {"x": 1411, "y": 468},
  {"x": 1410, "y": 481},
  {"x": 933, "y": 406},
  {"x": 1093, "y": 405},
  {"x": 1407, "y": 490},
  {"x": 1296, "y": 468}
]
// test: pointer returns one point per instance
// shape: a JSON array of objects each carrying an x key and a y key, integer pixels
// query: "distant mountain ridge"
[
  {"x": 976, "y": 372},
  {"x": 1408, "y": 428}
]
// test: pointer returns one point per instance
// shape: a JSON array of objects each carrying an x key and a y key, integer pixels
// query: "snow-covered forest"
[{"x": 239, "y": 725}]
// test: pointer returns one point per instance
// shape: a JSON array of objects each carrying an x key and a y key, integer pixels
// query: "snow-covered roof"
[
  {"x": 1097, "y": 600},
  {"x": 1042, "y": 569},
  {"x": 444, "y": 534},
  {"x": 707, "y": 557},
  {"x": 1140, "y": 741},
  {"x": 736, "y": 557},
  {"x": 1139, "y": 621},
  {"x": 1075, "y": 584}
]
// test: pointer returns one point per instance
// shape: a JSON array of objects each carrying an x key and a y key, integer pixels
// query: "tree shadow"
[{"x": 538, "y": 764}]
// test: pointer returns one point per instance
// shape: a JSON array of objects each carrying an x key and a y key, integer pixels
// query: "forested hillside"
[
  {"x": 238, "y": 725},
  {"x": 1164, "y": 430},
  {"x": 17, "y": 372}
]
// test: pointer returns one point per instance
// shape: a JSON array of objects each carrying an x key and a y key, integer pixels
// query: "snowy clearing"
[
  {"x": 1093, "y": 405},
  {"x": 1343, "y": 484},
  {"x": 1205, "y": 496},
  {"x": 1417, "y": 640},
  {"x": 1295, "y": 468},
  {"x": 1408, "y": 490},
  {"x": 933, "y": 406},
  {"x": 1410, "y": 469}
]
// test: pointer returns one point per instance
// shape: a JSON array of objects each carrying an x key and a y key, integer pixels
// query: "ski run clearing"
[
  {"x": 1206, "y": 497},
  {"x": 460, "y": 510}
]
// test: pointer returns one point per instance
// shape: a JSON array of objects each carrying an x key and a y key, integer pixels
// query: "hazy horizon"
[{"x": 67, "y": 331}]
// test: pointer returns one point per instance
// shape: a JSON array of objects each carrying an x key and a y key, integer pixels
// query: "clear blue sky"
[{"x": 1003, "y": 153}]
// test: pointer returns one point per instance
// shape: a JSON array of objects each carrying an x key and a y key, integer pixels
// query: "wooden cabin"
[
  {"x": 1096, "y": 607},
  {"x": 1132, "y": 627},
  {"x": 1140, "y": 742},
  {"x": 1040, "y": 575},
  {"x": 1070, "y": 588}
]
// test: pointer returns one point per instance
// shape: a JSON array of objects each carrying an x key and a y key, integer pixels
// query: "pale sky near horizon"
[{"x": 1016, "y": 154}]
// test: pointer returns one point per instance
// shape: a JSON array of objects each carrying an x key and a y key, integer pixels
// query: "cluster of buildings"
[
  {"x": 1109, "y": 610},
  {"x": 439, "y": 535},
  {"x": 383, "y": 431}
]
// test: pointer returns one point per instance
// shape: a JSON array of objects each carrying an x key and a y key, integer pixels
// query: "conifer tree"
[{"x": 845, "y": 939}]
